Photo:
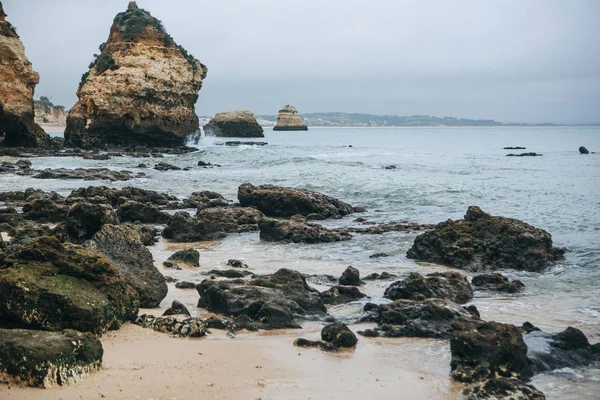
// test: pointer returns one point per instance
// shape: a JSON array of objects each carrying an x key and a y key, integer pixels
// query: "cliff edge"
[{"x": 17, "y": 83}]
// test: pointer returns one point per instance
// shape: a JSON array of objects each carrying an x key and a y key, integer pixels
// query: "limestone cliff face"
[
  {"x": 236, "y": 123},
  {"x": 289, "y": 120},
  {"x": 47, "y": 113},
  {"x": 17, "y": 83},
  {"x": 140, "y": 90}
]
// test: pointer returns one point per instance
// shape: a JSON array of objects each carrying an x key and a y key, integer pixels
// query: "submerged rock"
[
  {"x": 273, "y": 230},
  {"x": 289, "y": 120},
  {"x": 237, "y": 263},
  {"x": 140, "y": 90},
  {"x": 271, "y": 301},
  {"x": 431, "y": 318},
  {"x": 17, "y": 83},
  {"x": 530, "y": 154},
  {"x": 376, "y": 276},
  {"x": 481, "y": 241},
  {"x": 350, "y": 277},
  {"x": 485, "y": 350},
  {"x": 46, "y": 359},
  {"x": 567, "y": 349},
  {"x": 53, "y": 286},
  {"x": 86, "y": 174},
  {"x": 342, "y": 295},
  {"x": 443, "y": 285},
  {"x": 122, "y": 245},
  {"x": 236, "y": 123},
  {"x": 497, "y": 282},
  {"x": 276, "y": 201},
  {"x": 187, "y": 256},
  {"x": 162, "y": 166}
]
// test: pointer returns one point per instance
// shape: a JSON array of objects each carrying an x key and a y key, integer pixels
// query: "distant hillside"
[
  {"x": 356, "y": 119},
  {"x": 47, "y": 113}
]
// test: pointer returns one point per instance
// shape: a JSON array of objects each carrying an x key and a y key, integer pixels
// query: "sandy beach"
[{"x": 143, "y": 364}]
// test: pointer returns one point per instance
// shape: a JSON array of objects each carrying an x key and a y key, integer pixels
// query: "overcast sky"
[{"x": 509, "y": 60}]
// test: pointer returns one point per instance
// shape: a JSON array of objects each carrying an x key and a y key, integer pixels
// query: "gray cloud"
[{"x": 511, "y": 60}]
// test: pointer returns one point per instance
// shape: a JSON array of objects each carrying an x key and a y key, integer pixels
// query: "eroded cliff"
[
  {"x": 17, "y": 83},
  {"x": 140, "y": 90},
  {"x": 289, "y": 120}
]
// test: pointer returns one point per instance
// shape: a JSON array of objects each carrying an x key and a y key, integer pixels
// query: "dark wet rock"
[
  {"x": 185, "y": 285},
  {"x": 583, "y": 150},
  {"x": 530, "y": 154},
  {"x": 528, "y": 327},
  {"x": 86, "y": 174},
  {"x": 44, "y": 210},
  {"x": 272, "y": 230},
  {"x": 162, "y": 166},
  {"x": 276, "y": 201},
  {"x": 315, "y": 217},
  {"x": 321, "y": 344},
  {"x": 515, "y": 148},
  {"x": 122, "y": 245},
  {"x": 21, "y": 167},
  {"x": 85, "y": 219},
  {"x": 379, "y": 255},
  {"x": 497, "y": 282},
  {"x": 481, "y": 241},
  {"x": 187, "y": 256},
  {"x": 390, "y": 167},
  {"x": 339, "y": 334},
  {"x": 176, "y": 325},
  {"x": 212, "y": 223},
  {"x": 376, "y": 276},
  {"x": 342, "y": 295},
  {"x": 68, "y": 286},
  {"x": 379, "y": 229},
  {"x": 205, "y": 199},
  {"x": 21, "y": 230},
  {"x": 170, "y": 279},
  {"x": 567, "y": 349},
  {"x": 171, "y": 265},
  {"x": 322, "y": 279},
  {"x": 133, "y": 211},
  {"x": 503, "y": 389},
  {"x": 148, "y": 234},
  {"x": 46, "y": 359},
  {"x": 485, "y": 350},
  {"x": 272, "y": 301},
  {"x": 351, "y": 277},
  {"x": 236, "y": 264},
  {"x": 229, "y": 273},
  {"x": 298, "y": 218},
  {"x": 177, "y": 308},
  {"x": 142, "y": 165},
  {"x": 472, "y": 309},
  {"x": 443, "y": 285},
  {"x": 234, "y": 123},
  {"x": 96, "y": 156},
  {"x": 115, "y": 197},
  {"x": 431, "y": 318}
]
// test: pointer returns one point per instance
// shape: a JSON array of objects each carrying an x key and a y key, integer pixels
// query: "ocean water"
[{"x": 439, "y": 173}]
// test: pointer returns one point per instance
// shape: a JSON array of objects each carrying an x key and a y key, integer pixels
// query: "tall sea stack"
[
  {"x": 17, "y": 83},
  {"x": 140, "y": 90},
  {"x": 289, "y": 120}
]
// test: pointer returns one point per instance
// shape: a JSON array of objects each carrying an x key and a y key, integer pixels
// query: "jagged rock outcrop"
[
  {"x": 289, "y": 120},
  {"x": 17, "y": 83},
  {"x": 140, "y": 90},
  {"x": 47, "y": 113},
  {"x": 236, "y": 123},
  {"x": 481, "y": 241}
]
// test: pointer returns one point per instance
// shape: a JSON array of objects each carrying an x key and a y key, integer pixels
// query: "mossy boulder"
[
  {"x": 85, "y": 219},
  {"x": 53, "y": 286},
  {"x": 46, "y": 359},
  {"x": 187, "y": 256},
  {"x": 481, "y": 241},
  {"x": 122, "y": 245},
  {"x": 442, "y": 285}
]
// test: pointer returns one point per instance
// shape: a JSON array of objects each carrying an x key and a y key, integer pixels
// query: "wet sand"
[{"x": 143, "y": 364}]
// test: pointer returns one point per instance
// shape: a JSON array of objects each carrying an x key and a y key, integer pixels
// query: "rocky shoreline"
[{"x": 114, "y": 227}]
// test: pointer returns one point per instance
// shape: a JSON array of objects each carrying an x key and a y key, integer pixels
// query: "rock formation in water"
[
  {"x": 141, "y": 89},
  {"x": 17, "y": 83},
  {"x": 289, "y": 120},
  {"x": 47, "y": 113},
  {"x": 235, "y": 123}
]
